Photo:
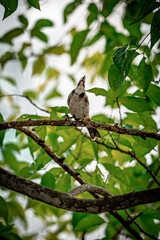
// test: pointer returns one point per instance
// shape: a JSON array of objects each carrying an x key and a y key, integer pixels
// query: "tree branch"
[
  {"x": 66, "y": 201},
  {"x": 90, "y": 188},
  {"x": 88, "y": 124}
]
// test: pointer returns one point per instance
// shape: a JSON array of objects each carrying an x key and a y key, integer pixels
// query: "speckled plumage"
[{"x": 79, "y": 105}]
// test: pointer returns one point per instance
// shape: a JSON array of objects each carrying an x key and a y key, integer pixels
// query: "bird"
[{"x": 79, "y": 106}]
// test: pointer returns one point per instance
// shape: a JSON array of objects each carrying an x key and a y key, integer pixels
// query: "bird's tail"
[{"x": 93, "y": 133}]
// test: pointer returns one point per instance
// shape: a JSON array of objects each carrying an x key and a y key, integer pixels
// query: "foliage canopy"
[{"x": 126, "y": 62}]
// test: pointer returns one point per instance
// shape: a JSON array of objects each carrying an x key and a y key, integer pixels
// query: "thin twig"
[
  {"x": 26, "y": 97},
  {"x": 140, "y": 228}
]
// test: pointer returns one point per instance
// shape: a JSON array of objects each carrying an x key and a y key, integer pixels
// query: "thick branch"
[
  {"x": 66, "y": 201},
  {"x": 88, "y": 124},
  {"x": 90, "y": 188}
]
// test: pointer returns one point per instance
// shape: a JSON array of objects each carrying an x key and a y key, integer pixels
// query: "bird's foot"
[{"x": 87, "y": 119}]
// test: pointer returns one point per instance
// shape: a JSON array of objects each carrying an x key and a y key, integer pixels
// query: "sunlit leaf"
[
  {"x": 39, "y": 65},
  {"x": 117, "y": 172},
  {"x": 57, "y": 50},
  {"x": 77, "y": 44},
  {"x": 115, "y": 77},
  {"x": 64, "y": 184},
  {"x": 53, "y": 94},
  {"x": 52, "y": 73},
  {"x": 62, "y": 109},
  {"x": 98, "y": 91}
]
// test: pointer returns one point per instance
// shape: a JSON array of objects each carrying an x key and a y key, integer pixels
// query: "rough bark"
[{"x": 68, "y": 202}]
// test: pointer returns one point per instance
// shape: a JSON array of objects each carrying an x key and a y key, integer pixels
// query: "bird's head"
[{"x": 81, "y": 82}]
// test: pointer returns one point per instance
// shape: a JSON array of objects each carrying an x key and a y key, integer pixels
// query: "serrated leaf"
[
  {"x": 9, "y": 36},
  {"x": 77, "y": 44},
  {"x": 155, "y": 28},
  {"x": 83, "y": 222},
  {"x": 115, "y": 77},
  {"x": 10, "y": 6},
  {"x": 135, "y": 104},
  {"x": 34, "y": 3},
  {"x": 145, "y": 75},
  {"x": 98, "y": 91}
]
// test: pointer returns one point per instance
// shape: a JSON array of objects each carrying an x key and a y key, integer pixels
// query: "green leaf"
[
  {"x": 33, "y": 146},
  {"x": 36, "y": 31},
  {"x": 145, "y": 75},
  {"x": 93, "y": 13},
  {"x": 154, "y": 94},
  {"x": 10, "y": 80},
  {"x": 145, "y": 9},
  {"x": 62, "y": 109},
  {"x": 117, "y": 172},
  {"x": 115, "y": 77},
  {"x": 83, "y": 222},
  {"x": 39, "y": 65},
  {"x": 9, "y": 36},
  {"x": 64, "y": 184},
  {"x": 10, "y": 6},
  {"x": 34, "y": 3},
  {"x": 23, "y": 20},
  {"x": 123, "y": 59},
  {"x": 41, "y": 131},
  {"x": 135, "y": 104},
  {"x": 53, "y": 94},
  {"x": 52, "y": 73},
  {"x": 57, "y": 50},
  {"x": 6, "y": 57},
  {"x": 77, "y": 44},
  {"x": 155, "y": 28},
  {"x": 41, "y": 160},
  {"x": 2, "y": 133},
  {"x": 48, "y": 180},
  {"x": 70, "y": 8},
  {"x": 98, "y": 91},
  {"x": 3, "y": 209}
]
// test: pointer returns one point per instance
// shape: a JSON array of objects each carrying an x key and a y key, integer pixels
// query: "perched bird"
[{"x": 79, "y": 106}]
